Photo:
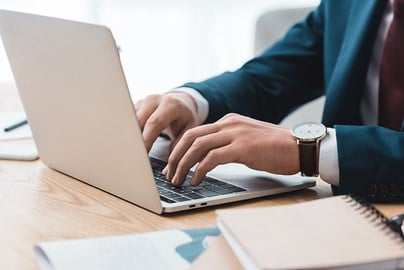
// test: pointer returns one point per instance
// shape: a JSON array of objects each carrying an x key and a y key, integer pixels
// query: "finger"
[
  {"x": 173, "y": 143},
  {"x": 196, "y": 153},
  {"x": 218, "y": 156},
  {"x": 184, "y": 143},
  {"x": 156, "y": 123},
  {"x": 138, "y": 104},
  {"x": 175, "y": 138},
  {"x": 144, "y": 109}
]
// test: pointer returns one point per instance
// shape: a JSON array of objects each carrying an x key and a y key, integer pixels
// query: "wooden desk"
[{"x": 38, "y": 204}]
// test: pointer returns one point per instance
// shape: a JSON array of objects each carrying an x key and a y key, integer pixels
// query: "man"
[{"x": 342, "y": 50}]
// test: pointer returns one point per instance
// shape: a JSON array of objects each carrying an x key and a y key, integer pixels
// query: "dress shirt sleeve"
[{"x": 328, "y": 161}]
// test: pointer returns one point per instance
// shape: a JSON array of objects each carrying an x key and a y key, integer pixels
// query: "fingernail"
[
  {"x": 174, "y": 180},
  {"x": 164, "y": 171},
  {"x": 193, "y": 182}
]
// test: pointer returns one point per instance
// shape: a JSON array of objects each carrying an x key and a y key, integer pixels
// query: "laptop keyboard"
[{"x": 171, "y": 194}]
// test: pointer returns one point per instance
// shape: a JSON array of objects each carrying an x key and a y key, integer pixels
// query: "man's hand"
[
  {"x": 172, "y": 113},
  {"x": 234, "y": 138}
]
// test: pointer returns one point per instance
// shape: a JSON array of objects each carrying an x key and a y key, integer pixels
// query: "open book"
[{"x": 332, "y": 233}]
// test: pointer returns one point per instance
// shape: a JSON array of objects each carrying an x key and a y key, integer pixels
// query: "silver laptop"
[{"x": 83, "y": 121}]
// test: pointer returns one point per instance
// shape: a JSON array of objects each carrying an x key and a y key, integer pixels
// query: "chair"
[{"x": 271, "y": 26}]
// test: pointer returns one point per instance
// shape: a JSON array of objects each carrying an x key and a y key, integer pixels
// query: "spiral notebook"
[{"x": 333, "y": 233}]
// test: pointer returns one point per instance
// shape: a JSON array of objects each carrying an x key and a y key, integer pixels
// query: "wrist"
[
  {"x": 286, "y": 159},
  {"x": 308, "y": 137},
  {"x": 294, "y": 156}
]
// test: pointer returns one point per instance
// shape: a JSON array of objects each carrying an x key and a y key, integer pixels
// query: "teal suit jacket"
[{"x": 327, "y": 53}]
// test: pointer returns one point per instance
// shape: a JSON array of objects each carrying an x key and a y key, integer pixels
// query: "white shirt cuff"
[
  {"x": 202, "y": 105},
  {"x": 328, "y": 161}
]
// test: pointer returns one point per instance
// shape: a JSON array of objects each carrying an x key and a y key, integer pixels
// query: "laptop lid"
[
  {"x": 76, "y": 100},
  {"x": 74, "y": 92}
]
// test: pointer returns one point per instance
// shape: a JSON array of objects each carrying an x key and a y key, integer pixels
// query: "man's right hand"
[{"x": 171, "y": 113}]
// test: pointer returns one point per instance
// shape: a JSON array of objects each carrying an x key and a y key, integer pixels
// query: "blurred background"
[{"x": 165, "y": 43}]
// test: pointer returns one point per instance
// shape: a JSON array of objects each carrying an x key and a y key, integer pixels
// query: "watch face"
[{"x": 309, "y": 131}]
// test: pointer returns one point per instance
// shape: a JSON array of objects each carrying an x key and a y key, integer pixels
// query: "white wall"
[{"x": 165, "y": 42}]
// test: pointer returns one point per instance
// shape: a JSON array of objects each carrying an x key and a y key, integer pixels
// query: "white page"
[{"x": 155, "y": 250}]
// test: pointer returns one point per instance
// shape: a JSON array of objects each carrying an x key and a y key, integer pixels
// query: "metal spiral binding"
[{"x": 389, "y": 226}]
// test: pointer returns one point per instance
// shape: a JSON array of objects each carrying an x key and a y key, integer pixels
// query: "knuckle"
[
  {"x": 171, "y": 160},
  {"x": 199, "y": 143},
  {"x": 171, "y": 100},
  {"x": 189, "y": 134},
  {"x": 154, "y": 120},
  {"x": 232, "y": 118},
  {"x": 167, "y": 99},
  {"x": 212, "y": 155},
  {"x": 149, "y": 100},
  {"x": 153, "y": 97}
]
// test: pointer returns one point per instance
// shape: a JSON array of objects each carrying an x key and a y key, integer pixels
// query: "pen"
[{"x": 16, "y": 125}]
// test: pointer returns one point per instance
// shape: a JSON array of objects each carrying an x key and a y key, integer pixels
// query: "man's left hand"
[{"x": 234, "y": 138}]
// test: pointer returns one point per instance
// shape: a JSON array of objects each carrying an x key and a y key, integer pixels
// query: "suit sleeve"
[
  {"x": 270, "y": 86},
  {"x": 371, "y": 162}
]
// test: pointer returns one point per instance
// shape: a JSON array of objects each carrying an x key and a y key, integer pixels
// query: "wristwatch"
[{"x": 308, "y": 137}]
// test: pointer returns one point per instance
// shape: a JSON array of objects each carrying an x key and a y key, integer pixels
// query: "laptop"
[{"x": 83, "y": 121}]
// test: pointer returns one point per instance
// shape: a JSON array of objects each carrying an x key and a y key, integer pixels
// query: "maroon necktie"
[{"x": 391, "y": 91}]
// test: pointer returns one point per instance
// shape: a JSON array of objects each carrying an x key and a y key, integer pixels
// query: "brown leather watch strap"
[{"x": 308, "y": 156}]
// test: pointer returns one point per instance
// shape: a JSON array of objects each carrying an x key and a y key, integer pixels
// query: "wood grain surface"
[{"x": 39, "y": 204}]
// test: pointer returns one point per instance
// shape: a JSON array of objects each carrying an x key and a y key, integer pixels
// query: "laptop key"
[
  {"x": 211, "y": 180},
  {"x": 167, "y": 200},
  {"x": 219, "y": 190},
  {"x": 181, "y": 199},
  {"x": 181, "y": 191},
  {"x": 225, "y": 185},
  {"x": 192, "y": 195},
  {"x": 166, "y": 193},
  {"x": 207, "y": 193},
  {"x": 222, "y": 184},
  {"x": 236, "y": 189},
  {"x": 210, "y": 187},
  {"x": 164, "y": 184}
]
